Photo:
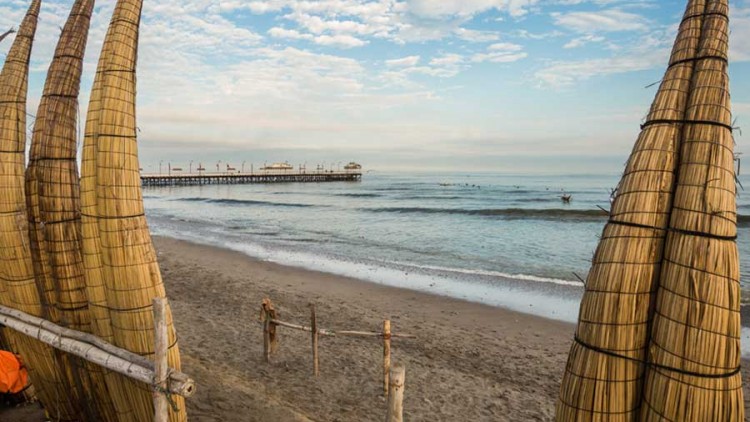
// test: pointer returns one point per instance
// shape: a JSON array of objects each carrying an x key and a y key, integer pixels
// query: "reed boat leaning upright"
[
  {"x": 17, "y": 278},
  {"x": 53, "y": 197},
  {"x": 694, "y": 355},
  {"x": 128, "y": 260},
  {"x": 603, "y": 379}
]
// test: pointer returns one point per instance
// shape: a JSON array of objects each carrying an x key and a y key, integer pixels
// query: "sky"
[{"x": 508, "y": 86}]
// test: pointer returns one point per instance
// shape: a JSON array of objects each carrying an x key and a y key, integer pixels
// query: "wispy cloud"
[{"x": 611, "y": 20}]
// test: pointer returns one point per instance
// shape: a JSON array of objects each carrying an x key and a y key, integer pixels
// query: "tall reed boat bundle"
[
  {"x": 47, "y": 370},
  {"x": 54, "y": 203},
  {"x": 114, "y": 384},
  {"x": 604, "y": 375},
  {"x": 694, "y": 355},
  {"x": 692, "y": 324},
  {"x": 128, "y": 260}
]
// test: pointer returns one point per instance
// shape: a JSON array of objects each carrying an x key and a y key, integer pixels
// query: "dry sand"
[{"x": 470, "y": 362}]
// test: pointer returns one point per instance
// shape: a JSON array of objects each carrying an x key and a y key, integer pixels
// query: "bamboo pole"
[
  {"x": 50, "y": 334},
  {"x": 161, "y": 346},
  {"x": 314, "y": 325},
  {"x": 396, "y": 395},
  {"x": 386, "y": 355}
]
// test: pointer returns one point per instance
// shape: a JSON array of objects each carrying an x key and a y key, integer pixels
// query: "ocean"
[{"x": 502, "y": 240}]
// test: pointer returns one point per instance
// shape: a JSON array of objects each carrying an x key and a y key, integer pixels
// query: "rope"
[
  {"x": 695, "y": 59},
  {"x": 656, "y": 365},
  {"x": 686, "y": 121},
  {"x": 112, "y": 218},
  {"x": 166, "y": 391}
]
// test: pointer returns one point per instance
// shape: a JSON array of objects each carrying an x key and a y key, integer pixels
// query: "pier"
[{"x": 228, "y": 178}]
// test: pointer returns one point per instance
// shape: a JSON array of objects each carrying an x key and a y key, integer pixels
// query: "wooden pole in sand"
[
  {"x": 386, "y": 354},
  {"x": 396, "y": 395},
  {"x": 266, "y": 335},
  {"x": 161, "y": 345},
  {"x": 314, "y": 326}
]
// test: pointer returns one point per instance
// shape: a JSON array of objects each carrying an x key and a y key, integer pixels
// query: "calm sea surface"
[{"x": 499, "y": 239}]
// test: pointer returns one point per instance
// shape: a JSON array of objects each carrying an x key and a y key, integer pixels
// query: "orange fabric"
[{"x": 13, "y": 375}]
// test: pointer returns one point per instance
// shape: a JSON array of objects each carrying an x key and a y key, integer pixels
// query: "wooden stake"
[
  {"x": 314, "y": 326},
  {"x": 396, "y": 395},
  {"x": 161, "y": 346},
  {"x": 386, "y": 354},
  {"x": 267, "y": 336}
]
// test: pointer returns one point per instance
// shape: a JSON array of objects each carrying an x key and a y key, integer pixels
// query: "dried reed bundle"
[
  {"x": 129, "y": 266},
  {"x": 118, "y": 386},
  {"x": 53, "y": 195},
  {"x": 16, "y": 268},
  {"x": 59, "y": 194},
  {"x": 694, "y": 353},
  {"x": 604, "y": 375}
]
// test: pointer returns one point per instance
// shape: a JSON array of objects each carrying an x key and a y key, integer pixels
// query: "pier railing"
[{"x": 266, "y": 176}]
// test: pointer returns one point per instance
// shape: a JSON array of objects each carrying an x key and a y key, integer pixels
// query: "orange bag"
[{"x": 13, "y": 375}]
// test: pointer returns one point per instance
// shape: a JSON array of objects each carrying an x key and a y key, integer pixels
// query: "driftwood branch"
[{"x": 92, "y": 349}]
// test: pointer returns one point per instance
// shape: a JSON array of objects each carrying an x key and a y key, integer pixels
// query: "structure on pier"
[{"x": 248, "y": 178}]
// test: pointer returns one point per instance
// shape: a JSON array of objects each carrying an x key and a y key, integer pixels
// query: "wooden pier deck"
[{"x": 192, "y": 179}]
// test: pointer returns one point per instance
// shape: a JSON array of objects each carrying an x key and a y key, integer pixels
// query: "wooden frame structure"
[
  {"x": 163, "y": 380},
  {"x": 270, "y": 321}
]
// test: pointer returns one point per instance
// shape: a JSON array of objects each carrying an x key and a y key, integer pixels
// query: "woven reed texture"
[
  {"x": 119, "y": 387},
  {"x": 59, "y": 197},
  {"x": 604, "y": 375},
  {"x": 129, "y": 266},
  {"x": 16, "y": 268},
  {"x": 52, "y": 196},
  {"x": 695, "y": 341}
]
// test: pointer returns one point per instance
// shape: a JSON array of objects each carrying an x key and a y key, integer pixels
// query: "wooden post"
[
  {"x": 266, "y": 335},
  {"x": 396, "y": 395},
  {"x": 161, "y": 367},
  {"x": 270, "y": 341},
  {"x": 314, "y": 326},
  {"x": 386, "y": 354}
]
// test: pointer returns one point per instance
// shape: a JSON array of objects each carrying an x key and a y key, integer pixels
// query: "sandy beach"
[
  {"x": 470, "y": 362},
  {"x": 473, "y": 361}
]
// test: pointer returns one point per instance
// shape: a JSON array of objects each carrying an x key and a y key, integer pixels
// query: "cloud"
[
  {"x": 463, "y": 8},
  {"x": 612, "y": 20},
  {"x": 403, "y": 62},
  {"x": 344, "y": 41},
  {"x": 476, "y": 36},
  {"x": 501, "y": 53},
  {"x": 278, "y": 32},
  {"x": 581, "y": 41}
]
